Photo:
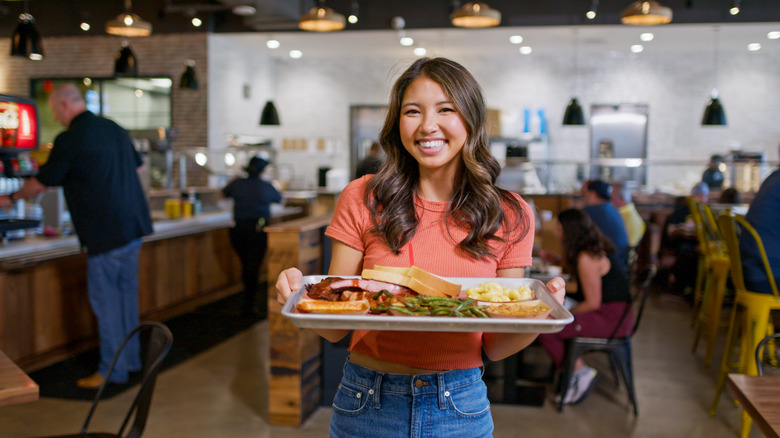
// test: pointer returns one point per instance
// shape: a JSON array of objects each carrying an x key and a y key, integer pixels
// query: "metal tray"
[{"x": 555, "y": 322}]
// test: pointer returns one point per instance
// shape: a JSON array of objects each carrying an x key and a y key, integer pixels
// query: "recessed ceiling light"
[
  {"x": 272, "y": 44},
  {"x": 646, "y": 36},
  {"x": 754, "y": 47},
  {"x": 526, "y": 50},
  {"x": 196, "y": 21},
  {"x": 244, "y": 10},
  {"x": 84, "y": 26},
  {"x": 637, "y": 48},
  {"x": 774, "y": 35},
  {"x": 295, "y": 54},
  {"x": 406, "y": 41},
  {"x": 516, "y": 39},
  {"x": 734, "y": 10},
  {"x": 420, "y": 51},
  {"x": 590, "y": 15}
]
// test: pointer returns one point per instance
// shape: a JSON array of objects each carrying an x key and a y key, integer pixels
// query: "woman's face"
[{"x": 432, "y": 131}]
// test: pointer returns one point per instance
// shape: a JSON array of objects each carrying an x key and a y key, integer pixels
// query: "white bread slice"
[{"x": 414, "y": 278}]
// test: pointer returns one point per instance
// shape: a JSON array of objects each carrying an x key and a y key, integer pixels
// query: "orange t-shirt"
[{"x": 433, "y": 248}]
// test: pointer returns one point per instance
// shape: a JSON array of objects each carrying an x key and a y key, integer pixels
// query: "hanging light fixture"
[
  {"x": 26, "y": 41},
  {"x": 189, "y": 79},
  {"x": 714, "y": 113},
  {"x": 125, "y": 64},
  {"x": 322, "y": 19},
  {"x": 474, "y": 15},
  {"x": 269, "y": 115},
  {"x": 646, "y": 13},
  {"x": 573, "y": 114},
  {"x": 128, "y": 24}
]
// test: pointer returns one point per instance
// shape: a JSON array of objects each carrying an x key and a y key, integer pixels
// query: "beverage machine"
[{"x": 19, "y": 131}]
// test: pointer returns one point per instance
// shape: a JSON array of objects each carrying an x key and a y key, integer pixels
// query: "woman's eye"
[
  {"x": 411, "y": 112},
  {"x": 444, "y": 110}
]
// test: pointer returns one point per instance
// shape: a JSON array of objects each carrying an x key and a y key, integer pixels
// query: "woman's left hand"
[{"x": 558, "y": 288}]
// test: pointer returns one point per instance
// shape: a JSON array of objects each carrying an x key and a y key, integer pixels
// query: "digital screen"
[{"x": 18, "y": 123}]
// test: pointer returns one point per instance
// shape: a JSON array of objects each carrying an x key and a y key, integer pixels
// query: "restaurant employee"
[{"x": 96, "y": 164}]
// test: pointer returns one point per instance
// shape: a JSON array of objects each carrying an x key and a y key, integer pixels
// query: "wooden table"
[
  {"x": 15, "y": 385},
  {"x": 759, "y": 397}
]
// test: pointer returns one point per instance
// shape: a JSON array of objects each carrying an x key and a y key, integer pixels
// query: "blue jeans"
[
  {"x": 112, "y": 283},
  {"x": 447, "y": 404}
]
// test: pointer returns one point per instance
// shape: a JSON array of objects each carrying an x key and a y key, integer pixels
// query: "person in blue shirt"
[
  {"x": 764, "y": 216},
  {"x": 596, "y": 194},
  {"x": 252, "y": 198}
]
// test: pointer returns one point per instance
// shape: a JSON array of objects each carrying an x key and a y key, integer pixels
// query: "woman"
[
  {"x": 432, "y": 204},
  {"x": 252, "y": 198},
  {"x": 600, "y": 300}
]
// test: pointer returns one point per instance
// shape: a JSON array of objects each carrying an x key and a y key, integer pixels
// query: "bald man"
[{"x": 96, "y": 164}]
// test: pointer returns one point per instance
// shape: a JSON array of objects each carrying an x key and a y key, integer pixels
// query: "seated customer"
[
  {"x": 763, "y": 216},
  {"x": 600, "y": 300},
  {"x": 635, "y": 225},
  {"x": 596, "y": 195}
]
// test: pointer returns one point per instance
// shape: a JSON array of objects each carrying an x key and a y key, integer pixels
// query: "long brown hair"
[
  {"x": 580, "y": 234},
  {"x": 477, "y": 204}
]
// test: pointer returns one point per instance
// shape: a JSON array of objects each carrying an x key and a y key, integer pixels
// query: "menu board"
[{"x": 18, "y": 123}]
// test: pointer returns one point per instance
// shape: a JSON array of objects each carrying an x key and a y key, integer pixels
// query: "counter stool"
[{"x": 750, "y": 317}]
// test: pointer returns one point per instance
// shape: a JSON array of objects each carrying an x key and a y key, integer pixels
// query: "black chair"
[
  {"x": 618, "y": 349},
  {"x": 760, "y": 347},
  {"x": 159, "y": 343}
]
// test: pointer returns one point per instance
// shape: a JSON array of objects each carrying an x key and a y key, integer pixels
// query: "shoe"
[
  {"x": 90, "y": 382},
  {"x": 581, "y": 384}
]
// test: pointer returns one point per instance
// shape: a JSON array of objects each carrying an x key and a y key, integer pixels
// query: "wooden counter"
[
  {"x": 15, "y": 385},
  {"x": 294, "y": 383}
]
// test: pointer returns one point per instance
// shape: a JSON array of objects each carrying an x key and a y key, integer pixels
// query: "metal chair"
[
  {"x": 618, "y": 349},
  {"x": 759, "y": 358},
  {"x": 160, "y": 340}
]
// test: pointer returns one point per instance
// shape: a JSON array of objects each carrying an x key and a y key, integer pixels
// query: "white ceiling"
[{"x": 544, "y": 39}]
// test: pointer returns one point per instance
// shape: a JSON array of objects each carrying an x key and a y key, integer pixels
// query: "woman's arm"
[
  {"x": 498, "y": 346},
  {"x": 590, "y": 269}
]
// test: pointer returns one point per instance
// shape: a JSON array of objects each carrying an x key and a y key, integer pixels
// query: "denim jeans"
[
  {"x": 112, "y": 282},
  {"x": 447, "y": 404}
]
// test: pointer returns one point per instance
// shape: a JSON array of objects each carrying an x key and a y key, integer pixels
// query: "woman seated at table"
[{"x": 598, "y": 303}]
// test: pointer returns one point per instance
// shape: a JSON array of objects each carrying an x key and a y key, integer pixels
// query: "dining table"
[
  {"x": 760, "y": 398},
  {"x": 15, "y": 385}
]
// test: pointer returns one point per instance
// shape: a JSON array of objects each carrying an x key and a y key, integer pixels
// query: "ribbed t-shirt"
[{"x": 432, "y": 248}]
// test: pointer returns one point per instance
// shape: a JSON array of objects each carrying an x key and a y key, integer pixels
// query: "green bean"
[{"x": 402, "y": 310}]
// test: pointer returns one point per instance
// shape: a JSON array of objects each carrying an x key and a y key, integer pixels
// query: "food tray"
[{"x": 558, "y": 318}]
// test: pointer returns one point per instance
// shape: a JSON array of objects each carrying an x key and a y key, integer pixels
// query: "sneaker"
[{"x": 581, "y": 383}]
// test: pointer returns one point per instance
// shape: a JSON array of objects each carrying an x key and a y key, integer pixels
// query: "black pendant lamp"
[
  {"x": 189, "y": 79},
  {"x": 714, "y": 115},
  {"x": 269, "y": 115},
  {"x": 573, "y": 114},
  {"x": 125, "y": 64},
  {"x": 26, "y": 41}
]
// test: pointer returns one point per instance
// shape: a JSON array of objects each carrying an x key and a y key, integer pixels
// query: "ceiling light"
[
  {"x": 420, "y": 51},
  {"x": 125, "y": 63},
  {"x": 353, "y": 16},
  {"x": 295, "y": 54},
  {"x": 476, "y": 14},
  {"x": 774, "y": 35},
  {"x": 322, "y": 19},
  {"x": 753, "y": 47},
  {"x": 269, "y": 116},
  {"x": 189, "y": 79},
  {"x": 573, "y": 115},
  {"x": 26, "y": 41},
  {"x": 646, "y": 13},
  {"x": 646, "y": 36},
  {"x": 516, "y": 39},
  {"x": 526, "y": 50},
  {"x": 714, "y": 113},
  {"x": 637, "y": 48},
  {"x": 594, "y": 7},
  {"x": 196, "y": 21},
  {"x": 273, "y": 44},
  {"x": 735, "y": 8},
  {"x": 128, "y": 24},
  {"x": 84, "y": 26},
  {"x": 406, "y": 41},
  {"x": 244, "y": 10}
]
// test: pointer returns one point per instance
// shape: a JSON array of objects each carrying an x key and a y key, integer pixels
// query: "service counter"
[{"x": 45, "y": 314}]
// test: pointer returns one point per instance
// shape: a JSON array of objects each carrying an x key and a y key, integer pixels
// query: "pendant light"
[
  {"x": 322, "y": 19},
  {"x": 189, "y": 79},
  {"x": 646, "y": 13},
  {"x": 26, "y": 41},
  {"x": 125, "y": 64},
  {"x": 573, "y": 114},
  {"x": 269, "y": 116},
  {"x": 128, "y": 24},
  {"x": 714, "y": 113},
  {"x": 475, "y": 15}
]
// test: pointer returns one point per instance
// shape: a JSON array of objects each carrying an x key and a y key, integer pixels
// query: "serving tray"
[{"x": 555, "y": 322}]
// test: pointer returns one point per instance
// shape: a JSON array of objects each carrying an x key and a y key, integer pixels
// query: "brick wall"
[{"x": 162, "y": 55}]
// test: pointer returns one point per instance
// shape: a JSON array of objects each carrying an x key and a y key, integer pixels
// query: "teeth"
[{"x": 432, "y": 144}]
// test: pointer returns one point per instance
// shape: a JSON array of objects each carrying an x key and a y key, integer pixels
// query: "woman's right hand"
[{"x": 288, "y": 281}]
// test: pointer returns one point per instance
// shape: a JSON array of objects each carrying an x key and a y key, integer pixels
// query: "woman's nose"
[{"x": 429, "y": 123}]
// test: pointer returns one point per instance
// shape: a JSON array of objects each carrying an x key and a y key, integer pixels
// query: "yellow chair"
[
  {"x": 716, "y": 271},
  {"x": 750, "y": 317}
]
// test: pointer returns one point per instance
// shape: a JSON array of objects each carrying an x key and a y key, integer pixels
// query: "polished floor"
[{"x": 222, "y": 393}]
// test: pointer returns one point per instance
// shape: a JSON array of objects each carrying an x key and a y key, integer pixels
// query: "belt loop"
[
  {"x": 376, "y": 389},
  {"x": 442, "y": 390}
]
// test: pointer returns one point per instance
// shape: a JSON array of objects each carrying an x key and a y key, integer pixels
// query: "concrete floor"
[{"x": 221, "y": 393}]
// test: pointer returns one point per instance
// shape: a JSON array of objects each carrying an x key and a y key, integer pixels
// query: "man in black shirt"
[{"x": 96, "y": 164}]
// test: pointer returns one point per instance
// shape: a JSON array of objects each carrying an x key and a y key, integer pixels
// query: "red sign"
[{"x": 18, "y": 125}]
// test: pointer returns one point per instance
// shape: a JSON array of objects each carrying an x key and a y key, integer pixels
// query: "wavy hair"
[
  {"x": 580, "y": 234},
  {"x": 477, "y": 205}
]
